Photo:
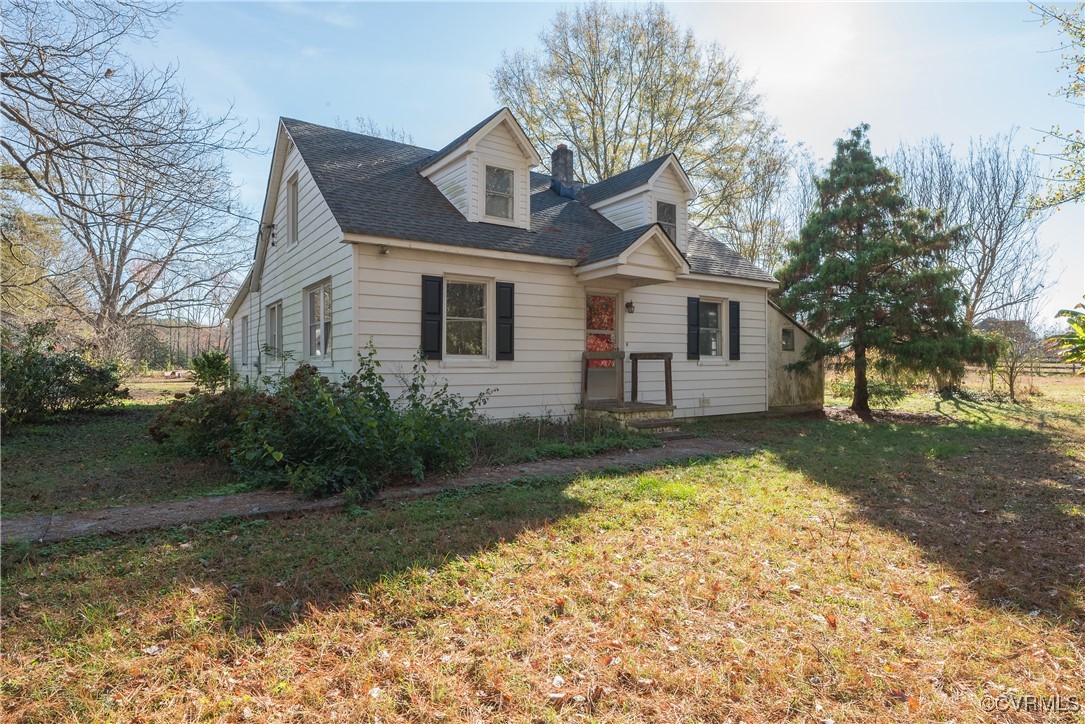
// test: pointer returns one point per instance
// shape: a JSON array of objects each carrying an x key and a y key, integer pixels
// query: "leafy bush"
[
  {"x": 38, "y": 380},
  {"x": 321, "y": 437},
  {"x": 211, "y": 371}
]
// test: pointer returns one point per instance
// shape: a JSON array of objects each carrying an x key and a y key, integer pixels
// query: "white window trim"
[
  {"x": 723, "y": 358},
  {"x": 483, "y": 162},
  {"x": 470, "y": 360},
  {"x": 277, "y": 329},
  {"x": 316, "y": 360},
  {"x": 293, "y": 203}
]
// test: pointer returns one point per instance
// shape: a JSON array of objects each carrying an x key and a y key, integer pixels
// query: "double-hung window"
[
  {"x": 245, "y": 340},
  {"x": 275, "y": 328},
  {"x": 711, "y": 335},
  {"x": 465, "y": 318},
  {"x": 499, "y": 192},
  {"x": 667, "y": 216},
  {"x": 318, "y": 320}
]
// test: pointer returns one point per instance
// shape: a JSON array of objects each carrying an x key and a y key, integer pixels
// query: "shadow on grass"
[
  {"x": 1000, "y": 505},
  {"x": 269, "y": 572}
]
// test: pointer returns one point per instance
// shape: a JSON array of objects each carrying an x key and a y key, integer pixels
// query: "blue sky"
[{"x": 910, "y": 70}]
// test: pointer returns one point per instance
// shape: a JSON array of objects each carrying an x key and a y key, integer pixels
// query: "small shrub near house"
[
  {"x": 38, "y": 380},
  {"x": 321, "y": 437},
  {"x": 211, "y": 371}
]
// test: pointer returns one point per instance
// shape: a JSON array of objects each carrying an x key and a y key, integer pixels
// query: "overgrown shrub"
[
  {"x": 321, "y": 437},
  {"x": 211, "y": 371},
  {"x": 37, "y": 380},
  {"x": 205, "y": 423}
]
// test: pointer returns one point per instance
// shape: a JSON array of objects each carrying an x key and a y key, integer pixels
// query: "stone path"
[{"x": 119, "y": 521}]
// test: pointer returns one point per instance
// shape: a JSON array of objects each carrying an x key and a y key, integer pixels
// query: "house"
[{"x": 557, "y": 294}]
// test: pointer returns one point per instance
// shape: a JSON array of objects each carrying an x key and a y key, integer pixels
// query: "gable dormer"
[
  {"x": 658, "y": 191},
  {"x": 486, "y": 172}
]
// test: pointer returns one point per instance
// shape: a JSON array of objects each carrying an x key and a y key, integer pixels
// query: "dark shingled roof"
[
  {"x": 615, "y": 244},
  {"x": 711, "y": 256},
  {"x": 623, "y": 182},
  {"x": 459, "y": 141},
  {"x": 373, "y": 187}
]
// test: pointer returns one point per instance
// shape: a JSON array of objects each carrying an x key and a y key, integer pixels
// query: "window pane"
[
  {"x": 600, "y": 312},
  {"x": 710, "y": 343},
  {"x": 499, "y": 180},
  {"x": 466, "y": 337},
  {"x": 499, "y": 206},
  {"x": 710, "y": 315},
  {"x": 666, "y": 213},
  {"x": 600, "y": 343},
  {"x": 788, "y": 339},
  {"x": 466, "y": 300},
  {"x": 326, "y": 294},
  {"x": 315, "y": 348},
  {"x": 327, "y": 338},
  {"x": 314, "y": 306}
]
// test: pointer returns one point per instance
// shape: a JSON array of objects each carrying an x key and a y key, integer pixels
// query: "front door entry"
[{"x": 601, "y": 323}]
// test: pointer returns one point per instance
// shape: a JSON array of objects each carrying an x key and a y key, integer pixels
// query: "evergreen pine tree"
[{"x": 868, "y": 275}]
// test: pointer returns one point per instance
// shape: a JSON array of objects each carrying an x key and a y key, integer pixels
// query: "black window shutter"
[
  {"x": 506, "y": 312},
  {"x": 693, "y": 328},
  {"x": 432, "y": 303},
  {"x": 733, "y": 323}
]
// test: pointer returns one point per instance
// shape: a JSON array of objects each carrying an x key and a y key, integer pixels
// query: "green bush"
[
  {"x": 320, "y": 437},
  {"x": 211, "y": 371},
  {"x": 37, "y": 380}
]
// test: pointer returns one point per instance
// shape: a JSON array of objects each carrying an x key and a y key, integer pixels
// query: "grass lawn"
[
  {"x": 102, "y": 460},
  {"x": 901, "y": 570}
]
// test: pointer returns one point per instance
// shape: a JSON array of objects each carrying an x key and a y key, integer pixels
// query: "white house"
[{"x": 548, "y": 290}]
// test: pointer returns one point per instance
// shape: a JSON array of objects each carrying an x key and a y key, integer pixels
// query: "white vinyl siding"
[
  {"x": 550, "y": 331},
  {"x": 498, "y": 148},
  {"x": 452, "y": 181},
  {"x": 668, "y": 189},
  {"x": 293, "y": 268},
  {"x": 626, "y": 213}
]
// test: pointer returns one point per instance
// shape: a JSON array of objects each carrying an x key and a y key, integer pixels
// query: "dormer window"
[
  {"x": 499, "y": 186},
  {"x": 667, "y": 216}
]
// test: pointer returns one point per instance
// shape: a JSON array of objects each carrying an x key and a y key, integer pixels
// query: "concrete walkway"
[{"x": 119, "y": 521}]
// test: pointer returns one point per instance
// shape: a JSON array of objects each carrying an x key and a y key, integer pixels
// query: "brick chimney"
[{"x": 561, "y": 170}]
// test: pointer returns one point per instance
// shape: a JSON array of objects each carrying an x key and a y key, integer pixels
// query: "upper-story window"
[
  {"x": 499, "y": 186},
  {"x": 667, "y": 216}
]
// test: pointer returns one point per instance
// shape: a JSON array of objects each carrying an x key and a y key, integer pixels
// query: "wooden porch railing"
[{"x": 636, "y": 357}]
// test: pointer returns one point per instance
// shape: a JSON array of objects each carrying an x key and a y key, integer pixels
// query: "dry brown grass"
[{"x": 845, "y": 572}]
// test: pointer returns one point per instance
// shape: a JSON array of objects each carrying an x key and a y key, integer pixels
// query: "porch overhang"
[{"x": 650, "y": 258}]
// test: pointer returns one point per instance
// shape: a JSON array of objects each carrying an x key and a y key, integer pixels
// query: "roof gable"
[
  {"x": 636, "y": 179},
  {"x": 467, "y": 141}
]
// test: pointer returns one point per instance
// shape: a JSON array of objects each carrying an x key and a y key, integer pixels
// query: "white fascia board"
[
  {"x": 731, "y": 280},
  {"x": 619, "y": 197},
  {"x": 673, "y": 160},
  {"x": 453, "y": 249}
]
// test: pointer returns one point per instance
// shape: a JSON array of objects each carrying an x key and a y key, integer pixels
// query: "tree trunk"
[{"x": 860, "y": 398}]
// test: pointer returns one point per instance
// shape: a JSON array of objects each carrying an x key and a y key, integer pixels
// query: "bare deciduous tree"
[
  {"x": 134, "y": 173},
  {"x": 625, "y": 85},
  {"x": 986, "y": 190},
  {"x": 366, "y": 125}
]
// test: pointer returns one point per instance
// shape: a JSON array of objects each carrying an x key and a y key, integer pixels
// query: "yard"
[{"x": 841, "y": 571}]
